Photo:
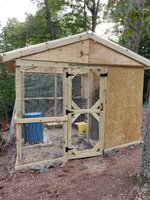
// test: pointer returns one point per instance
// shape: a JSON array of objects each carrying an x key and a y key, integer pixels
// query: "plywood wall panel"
[
  {"x": 124, "y": 105},
  {"x": 100, "y": 54},
  {"x": 73, "y": 53}
]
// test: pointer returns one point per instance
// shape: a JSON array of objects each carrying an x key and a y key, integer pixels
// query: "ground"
[{"x": 109, "y": 177}]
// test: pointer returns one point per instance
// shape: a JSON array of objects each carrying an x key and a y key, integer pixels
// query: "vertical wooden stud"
[
  {"x": 69, "y": 107},
  {"x": 18, "y": 115},
  {"x": 55, "y": 94},
  {"x": 65, "y": 124},
  {"x": 103, "y": 89}
]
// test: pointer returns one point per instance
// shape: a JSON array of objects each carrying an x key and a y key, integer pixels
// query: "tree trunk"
[
  {"x": 85, "y": 16},
  {"x": 94, "y": 9},
  {"x": 133, "y": 42},
  {"x": 145, "y": 165},
  {"x": 49, "y": 19}
]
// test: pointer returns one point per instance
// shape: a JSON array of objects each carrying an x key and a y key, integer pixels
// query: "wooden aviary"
[{"x": 80, "y": 78}]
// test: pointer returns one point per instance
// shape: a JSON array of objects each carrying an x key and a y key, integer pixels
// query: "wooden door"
[{"x": 86, "y": 111}]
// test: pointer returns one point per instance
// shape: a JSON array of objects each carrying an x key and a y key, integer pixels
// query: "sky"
[
  {"x": 18, "y": 8},
  {"x": 15, "y": 8}
]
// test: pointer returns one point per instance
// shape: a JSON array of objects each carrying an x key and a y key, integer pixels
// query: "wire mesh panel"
[
  {"x": 43, "y": 97},
  {"x": 84, "y": 133},
  {"x": 50, "y": 146},
  {"x": 43, "y": 93}
]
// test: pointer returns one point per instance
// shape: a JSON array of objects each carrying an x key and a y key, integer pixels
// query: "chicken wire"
[{"x": 40, "y": 94}]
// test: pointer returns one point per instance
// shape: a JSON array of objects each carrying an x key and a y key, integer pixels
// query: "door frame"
[{"x": 98, "y": 149}]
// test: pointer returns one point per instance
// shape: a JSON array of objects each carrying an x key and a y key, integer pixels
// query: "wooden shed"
[{"x": 89, "y": 93}]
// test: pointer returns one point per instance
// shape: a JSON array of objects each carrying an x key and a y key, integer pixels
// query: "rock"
[
  {"x": 132, "y": 147},
  {"x": 144, "y": 189},
  {"x": 44, "y": 170},
  {"x": 49, "y": 165}
]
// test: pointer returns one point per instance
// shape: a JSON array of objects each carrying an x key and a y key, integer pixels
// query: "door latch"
[
  {"x": 69, "y": 111},
  {"x": 68, "y": 149}
]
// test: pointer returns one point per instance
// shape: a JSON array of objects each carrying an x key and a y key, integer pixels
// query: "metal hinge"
[
  {"x": 69, "y": 111},
  {"x": 104, "y": 75},
  {"x": 67, "y": 74},
  {"x": 68, "y": 149},
  {"x": 101, "y": 107}
]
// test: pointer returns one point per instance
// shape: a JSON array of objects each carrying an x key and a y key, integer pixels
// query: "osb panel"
[
  {"x": 100, "y": 54},
  {"x": 124, "y": 105},
  {"x": 73, "y": 53}
]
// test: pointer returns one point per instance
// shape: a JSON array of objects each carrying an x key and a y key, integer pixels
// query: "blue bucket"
[{"x": 33, "y": 132}]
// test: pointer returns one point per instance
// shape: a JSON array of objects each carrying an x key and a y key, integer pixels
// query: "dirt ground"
[{"x": 111, "y": 177}]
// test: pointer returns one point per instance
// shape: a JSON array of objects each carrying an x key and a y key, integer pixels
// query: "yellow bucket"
[{"x": 82, "y": 128}]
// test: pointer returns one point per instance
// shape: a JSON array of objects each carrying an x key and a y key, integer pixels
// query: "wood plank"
[
  {"x": 74, "y": 105},
  {"x": 41, "y": 163},
  {"x": 33, "y": 49},
  {"x": 55, "y": 94},
  {"x": 86, "y": 111},
  {"x": 100, "y": 54},
  {"x": 40, "y": 98},
  {"x": 44, "y": 69},
  {"x": 84, "y": 154},
  {"x": 97, "y": 104},
  {"x": 77, "y": 52},
  {"x": 54, "y": 123},
  {"x": 65, "y": 126},
  {"x": 96, "y": 116},
  {"x": 31, "y": 64},
  {"x": 69, "y": 107},
  {"x": 124, "y": 51},
  {"x": 41, "y": 119},
  {"x": 102, "y": 112},
  {"x": 122, "y": 146},
  {"x": 74, "y": 117},
  {"x": 103, "y": 88},
  {"x": 18, "y": 115}
]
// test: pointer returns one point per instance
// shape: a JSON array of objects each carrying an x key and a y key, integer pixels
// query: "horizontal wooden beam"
[
  {"x": 86, "y": 111},
  {"x": 41, "y": 119},
  {"x": 122, "y": 146},
  {"x": 33, "y": 49},
  {"x": 42, "y": 98},
  {"x": 35, "y": 63},
  {"x": 41, "y": 163}
]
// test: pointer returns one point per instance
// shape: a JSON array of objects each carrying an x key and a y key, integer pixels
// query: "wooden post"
[
  {"x": 23, "y": 92},
  {"x": 55, "y": 94},
  {"x": 18, "y": 115},
  {"x": 69, "y": 103},
  {"x": 65, "y": 125},
  {"x": 103, "y": 90}
]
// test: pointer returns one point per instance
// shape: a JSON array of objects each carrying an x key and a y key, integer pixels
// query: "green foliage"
[
  {"x": 7, "y": 92},
  {"x": 133, "y": 24},
  {"x": 14, "y": 35},
  {"x": 131, "y": 18}
]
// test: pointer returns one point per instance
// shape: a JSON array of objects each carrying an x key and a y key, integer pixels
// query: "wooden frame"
[
  {"x": 18, "y": 115},
  {"x": 20, "y": 121},
  {"x": 120, "y": 71},
  {"x": 4, "y": 57},
  {"x": 98, "y": 148}
]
